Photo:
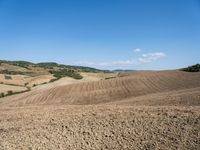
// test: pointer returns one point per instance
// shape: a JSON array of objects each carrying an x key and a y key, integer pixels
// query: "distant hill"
[
  {"x": 17, "y": 63},
  {"x": 123, "y": 71},
  {"x": 45, "y": 68},
  {"x": 194, "y": 68},
  {"x": 52, "y": 65}
]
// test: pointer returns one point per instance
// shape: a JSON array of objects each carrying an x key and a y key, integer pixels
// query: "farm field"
[
  {"x": 5, "y": 88},
  {"x": 100, "y": 75},
  {"x": 28, "y": 75},
  {"x": 111, "y": 90},
  {"x": 144, "y": 110},
  {"x": 99, "y": 127}
]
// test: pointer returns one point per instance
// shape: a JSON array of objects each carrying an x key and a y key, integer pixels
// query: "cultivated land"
[
  {"x": 142, "y": 110},
  {"x": 29, "y": 75},
  {"x": 5, "y": 88}
]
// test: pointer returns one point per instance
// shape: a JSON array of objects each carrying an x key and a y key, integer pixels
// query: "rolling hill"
[
  {"x": 138, "y": 110},
  {"x": 104, "y": 91}
]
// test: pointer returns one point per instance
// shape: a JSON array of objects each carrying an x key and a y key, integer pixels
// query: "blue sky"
[{"x": 107, "y": 34}]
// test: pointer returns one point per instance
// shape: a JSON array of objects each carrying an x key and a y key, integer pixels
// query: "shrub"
[
  {"x": 28, "y": 88},
  {"x": 8, "y": 77},
  {"x": 52, "y": 80},
  {"x": 65, "y": 72},
  {"x": 194, "y": 68},
  {"x": 10, "y": 92},
  {"x": 2, "y": 95}
]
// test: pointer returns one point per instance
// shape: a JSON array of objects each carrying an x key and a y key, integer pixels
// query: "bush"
[
  {"x": 2, "y": 95},
  {"x": 28, "y": 88},
  {"x": 52, "y": 80},
  {"x": 194, "y": 68},
  {"x": 10, "y": 92},
  {"x": 8, "y": 77},
  {"x": 65, "y": 72}
]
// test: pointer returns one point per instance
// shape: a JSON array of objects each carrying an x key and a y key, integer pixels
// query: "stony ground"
[
  {"x": 146, "y": 110},
  {"x": 99, "y": 127}
]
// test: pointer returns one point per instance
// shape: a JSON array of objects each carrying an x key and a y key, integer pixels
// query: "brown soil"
[
  {"x": 19, "y": 80},
  {"x": 147, "y": 110},
  {"x": 39, "y": 80},
  {"x": 100, "y": 127},
  {"x": 104, "y": 91},
  {"x": 5, "y": 88}
]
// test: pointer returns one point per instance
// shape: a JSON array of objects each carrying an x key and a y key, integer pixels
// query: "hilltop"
[
  {"x": 193, "y": 68},
  {"x": 46, "y": 65}
]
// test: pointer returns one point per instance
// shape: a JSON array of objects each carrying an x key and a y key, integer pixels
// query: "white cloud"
[
  {"x": 137, "y": 50},
  {"x": 149, "y": 57},
  {"x": 143, "y": 59}
]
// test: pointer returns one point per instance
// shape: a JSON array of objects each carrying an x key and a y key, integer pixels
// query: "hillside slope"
[
  {"x": 145, "y": 110},
  {"x": 104, "y": 91}
]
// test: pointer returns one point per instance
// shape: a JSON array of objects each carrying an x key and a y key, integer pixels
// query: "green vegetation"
[
  {"x": 10, "y": 93},
  {"x": 2, "y": 95},
  {"x": 18, "y": 63},
  {"x": 65, "y": 72},
  {"x": 9, "y": 68},
  {"x": 31, "y": 73},
  {"x": 11, "y": 72},
  {"x": 86, "y": 69},
  {"x": 11, "y": 84},
  {"x": 48, "y": 65},
  {"x": 107, "y": 78},
  {"x": 28, "y": 88},
  {"x": 52, "y": 80},
  {"x": 8, "y": 77},
  {"x": 194, "y": 68},
  {"x": 23, "y": 64},
  {"x": 51, "y": 65}
]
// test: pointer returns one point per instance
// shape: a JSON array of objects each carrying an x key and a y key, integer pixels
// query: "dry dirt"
[
  {"x": 147, "y": 110},
  {"x": 17, "y": 83},
  {"x": 105, "y": 91},
  {"x": 99, "y": 76},
  {"x": 39, "y": 80},
  {"x": 5, "y": 88},
  {"x": 5, "y": 66},
  {"x": 19, "y": 80},
  {"x": 100, "y": 127}
]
